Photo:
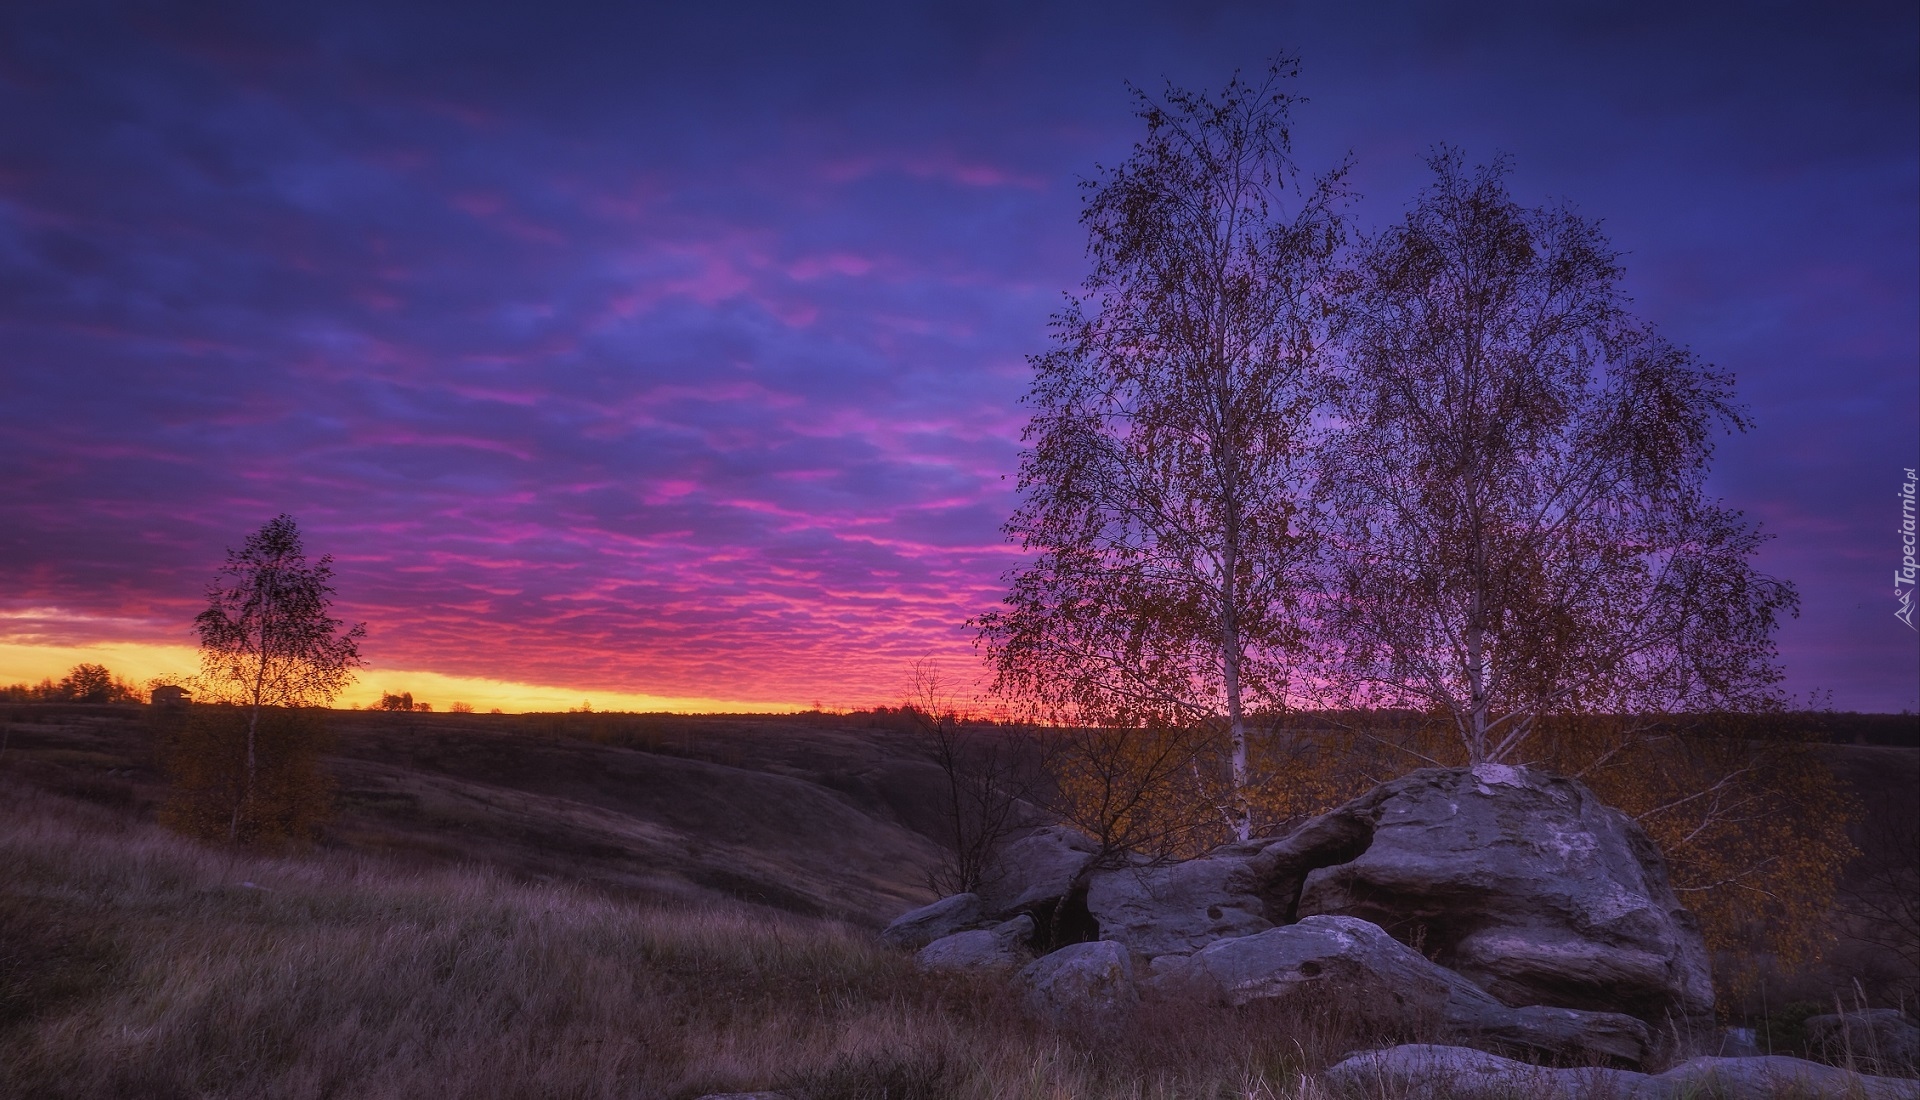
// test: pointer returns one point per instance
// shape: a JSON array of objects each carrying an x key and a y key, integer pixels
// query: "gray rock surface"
[
  {"x": 1775, "y": 1078},
  {"x": 1879, "y": 1039},
  {"x": 1352, "y": 957},
  {"x": 1536, "y": 1030},
  {"x": 1001, "y": 947},
  {"x": 1082, "y": 983},
  {"x": 1176, "y": 908},
  {"x": 1426, "y": 1072},
  {"x": 1033, "y": 873},
  {"x": 1385, "y": 984},
  {"x": 1524, "y": 883},
  {"x": 922, "y": 926},
  {"x": 1421, "y": 1072}
]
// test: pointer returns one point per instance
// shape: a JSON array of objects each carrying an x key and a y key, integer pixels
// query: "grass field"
[{"x": 523, "y": 907}]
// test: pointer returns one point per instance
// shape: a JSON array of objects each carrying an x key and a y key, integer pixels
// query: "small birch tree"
[
  {"x": 1164, "y": 466},
  {"x": 1518, "y": 486},
  {"x": 268, "y": 640}
]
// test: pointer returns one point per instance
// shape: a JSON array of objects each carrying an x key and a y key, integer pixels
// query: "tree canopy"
[
  {"x": 268, "y": 641},
  {"x": 1515, "y": 494},
  {"x": 1161, "y": 476}
]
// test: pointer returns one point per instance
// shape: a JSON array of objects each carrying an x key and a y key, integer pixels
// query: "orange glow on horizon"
[{"x": 139, "y": 662}]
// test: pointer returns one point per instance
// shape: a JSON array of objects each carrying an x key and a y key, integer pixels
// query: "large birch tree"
[
  {"x": 1163, "y": 475},
  {"x": 1518, "y": 486}
]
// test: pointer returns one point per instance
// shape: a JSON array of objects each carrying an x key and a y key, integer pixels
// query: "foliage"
[
  {"x": 1521, "y": 526},
  {"x": 205, "y": 751},
  {"x": 1162, "y": 478},
  {"x": 268, "y": 642},
  {"x": 84, "y": 683},
  {"x": 1883, "y": 896},
  {"x": 1159, "y": 791}
]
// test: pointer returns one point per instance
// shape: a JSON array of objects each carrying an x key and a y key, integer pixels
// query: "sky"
[{"x": 657, "y": 356}]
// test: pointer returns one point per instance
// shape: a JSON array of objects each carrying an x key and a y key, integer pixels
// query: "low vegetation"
[
  {"x": 562, "y": 905},
  {"x": 139, "y": 963}
]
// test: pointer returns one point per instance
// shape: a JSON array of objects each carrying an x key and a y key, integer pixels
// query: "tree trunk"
[{"x": 1240, "y": 812}]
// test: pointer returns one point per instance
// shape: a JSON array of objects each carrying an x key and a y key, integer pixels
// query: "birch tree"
[
  {"x": 1519, "y": 485},
  {"x": 1165, "y": 455},
  {"x": 268, "y": 639}
]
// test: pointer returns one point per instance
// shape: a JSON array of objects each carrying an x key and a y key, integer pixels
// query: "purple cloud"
[{"x": 668, "y": 352}]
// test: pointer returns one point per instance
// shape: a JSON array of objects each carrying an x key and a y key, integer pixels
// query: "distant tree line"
[{"x": 85, "y": 683}]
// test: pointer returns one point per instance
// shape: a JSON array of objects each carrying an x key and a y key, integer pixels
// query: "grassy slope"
[
  {"x": 638, "y": 908},
  {"x": 808, "y": 816}
]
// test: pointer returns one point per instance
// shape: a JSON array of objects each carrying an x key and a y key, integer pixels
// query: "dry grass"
[
  {"x": 421, "y": 953},
  {"x": 135, "y": 963}
]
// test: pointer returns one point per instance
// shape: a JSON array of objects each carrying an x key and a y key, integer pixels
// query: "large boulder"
[
  {"x": 1524, "y": 883},
  {"x": 1082, "y": 983},
  {"x": 1036, "y": 873},
  {"x": 1352, "y": 966},
  {"x": 922, "y": 926},
  {"x": 1421, "y": 1072},
  {"x": 1002, "y": 947},
  {"x": 1177, "y": 908}
]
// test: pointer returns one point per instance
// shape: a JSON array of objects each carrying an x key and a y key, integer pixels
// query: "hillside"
[
  {"x": 812, "y": 815},
  {"x": 561, "y": 905}
]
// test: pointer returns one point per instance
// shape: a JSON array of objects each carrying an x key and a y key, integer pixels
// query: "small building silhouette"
[{"x": 169, "y": 695}]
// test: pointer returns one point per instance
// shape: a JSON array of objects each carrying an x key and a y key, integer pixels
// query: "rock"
[
  {"x": 1176, "y": 908},
  {"x": 1083, "y": 983},
  {"x": 1771, "y": 1078},
  {"x": 922, "y": 926},
  {"x": 1880, "y": 1039},
  {"x": 1425, "y": 1072},
  {"x": 1561, "y": 1033},
  {"x": 1001, "y": 947},
  {"x": 1035, "y": 873},
  {"x": 1383, "y": 978},
  {"x": 1355, "y": 967},
  {"x": 1280, "y": 868},
  {"x": 1524, "y": 883},
  {"x": 1421, "y": 1072},
  {"x": 745, "y": 1096}
]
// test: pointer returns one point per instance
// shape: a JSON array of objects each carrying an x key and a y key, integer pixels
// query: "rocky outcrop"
[
  {"x": 1419, "y": 1072},
  {"x": 1177, "y": 908},
  {"x": 1352, "y": 966},
  {"x": 1001, "y": 947},
  {"x": 922, "y": 926},
  {"x": 1498, "y": 907},
  {"x": 1036, "y": 873},
  {"x": 1082, "y": 983},
  {"x": 1523, "y": 883}
]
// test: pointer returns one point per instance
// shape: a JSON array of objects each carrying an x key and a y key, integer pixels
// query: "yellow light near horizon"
[{"x": 140, "y": 662}]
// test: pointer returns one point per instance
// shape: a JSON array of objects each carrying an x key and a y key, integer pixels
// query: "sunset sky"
[{"x": 672, "y": 355}]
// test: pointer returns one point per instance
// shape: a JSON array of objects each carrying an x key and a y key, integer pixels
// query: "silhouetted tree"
[
  {"x": 269, "y": 648},
  {"x": 1164, "y": 471}
]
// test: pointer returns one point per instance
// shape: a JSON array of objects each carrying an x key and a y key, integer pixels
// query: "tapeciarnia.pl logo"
[{"x": 1903, "y": 597}]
